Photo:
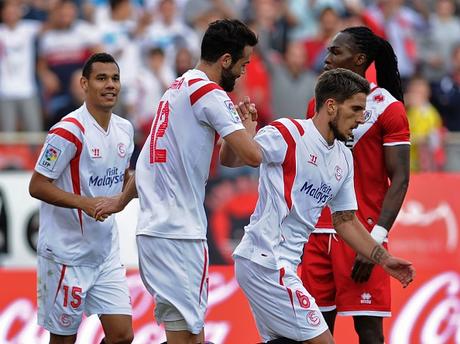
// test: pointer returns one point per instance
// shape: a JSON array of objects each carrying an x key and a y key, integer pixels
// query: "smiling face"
[
  {"x": 341, "y": 55},
  {"x": 103, "y": 85},
  {"x": 235, "y": 70},
  {"x": 348, "y": 115}
]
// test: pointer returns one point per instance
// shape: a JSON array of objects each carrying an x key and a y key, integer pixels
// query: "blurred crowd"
[{"x": 43, "y": 44}]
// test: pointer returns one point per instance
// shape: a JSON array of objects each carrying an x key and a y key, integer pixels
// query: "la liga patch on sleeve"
[
  {"x": 49, "y": 157},
  {"x": 231, "y": 109}
]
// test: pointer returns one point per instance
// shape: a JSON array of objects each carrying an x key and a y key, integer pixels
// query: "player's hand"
[
  {"x": 362, "y": 269},
  {"x": 107, "y": 206},
  {"x": 89, "y": 207},
  {"x": 400, "y": 269},
  {"x": 247, "y": 110}
]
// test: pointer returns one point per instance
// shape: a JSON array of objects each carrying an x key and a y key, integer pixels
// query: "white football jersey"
[
  {"x": 300, "y": 174},
  {"x": 173, "y": 166},
  {"x": 85, "y": 160}
]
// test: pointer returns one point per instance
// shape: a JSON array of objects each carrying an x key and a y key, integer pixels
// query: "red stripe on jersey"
[
  {"x": 282, "y": 273},
  {"x": 311, "y": 108},
  {"x": 204, "y": 273},
  {"x": 298, "y": 126},
  {"x": 194, "y": 81},
  {"x": 64, "y": 267},
  {"x": 74, "y": 164},
  {"x": 289, "y": 163},
  {"x": 76, "y": 122},
  {"x": 203, "y": 90}
]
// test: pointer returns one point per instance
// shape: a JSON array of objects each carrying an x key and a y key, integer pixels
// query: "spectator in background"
[
  {"x": 436, "y": 46},
  {"x": 184, "y": 61},
  {"x": 315, "y": 47},
  {"x": 425, "y": 125},
  {"x": 19, "y": 101},
  {"x": 63, "y": 49},
  {"x": 168, "y": 32},
  {"x": 145, "y": 93},
  {"x": 77, "y": 96},
  {"x": 446, "y": 93},
  {"x": 118, "y": 32},
  {"x": 401, "y": 25},
  {"x": 273, "y": 18},
  {"x": 291, "y": 81}
]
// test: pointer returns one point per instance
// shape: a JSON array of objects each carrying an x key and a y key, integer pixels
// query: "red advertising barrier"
[{"x": 428, "y": 311}]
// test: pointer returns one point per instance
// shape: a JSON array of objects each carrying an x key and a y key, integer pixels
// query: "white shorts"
[
  {"x": 65, "y": 292},
  {"x": 175, "y": 271},
  {"x": 279, "y": 302}
]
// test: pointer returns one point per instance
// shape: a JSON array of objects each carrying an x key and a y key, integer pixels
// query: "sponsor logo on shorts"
[
  {"x": 313, "y": 318},
  {"x": 366, "y": 298},
  {"x": 50, "y": 157},
  {"x": 65, "y": 320}
]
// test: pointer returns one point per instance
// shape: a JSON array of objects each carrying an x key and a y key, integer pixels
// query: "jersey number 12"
[{"x": 160, "y": 124}]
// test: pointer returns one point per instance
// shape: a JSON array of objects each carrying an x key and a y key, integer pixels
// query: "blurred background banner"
[{"x": 426, "y": 232}]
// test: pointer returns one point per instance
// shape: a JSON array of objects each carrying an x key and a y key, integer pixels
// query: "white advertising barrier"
[{"x": 18, "y": 230}]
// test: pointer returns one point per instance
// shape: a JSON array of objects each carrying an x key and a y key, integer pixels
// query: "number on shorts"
[
  {"x": 76, "y": 297},
  {"x": 160, "y": 125},
  {"x": 303, "y": 299}
]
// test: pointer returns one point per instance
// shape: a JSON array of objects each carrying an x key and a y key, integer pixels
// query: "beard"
[
  {"x": 335, "y": 128},
  {"x": 227, "y": 80}
]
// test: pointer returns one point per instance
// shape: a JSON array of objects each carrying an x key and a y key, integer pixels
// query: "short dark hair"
[
  {"x": 226, "y": 36},
  {"x": 339, "y": 84},
  {"x": 98, "y": 57}
]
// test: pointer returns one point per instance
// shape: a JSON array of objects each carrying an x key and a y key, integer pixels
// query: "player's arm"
[
  {"x": 44, "y": 189},
  {"x": 110, "y": 205},
  {"x": 353, "y": 232},
  {"x": 397, "y": 163},
  {"x": 239, "y": 147}
]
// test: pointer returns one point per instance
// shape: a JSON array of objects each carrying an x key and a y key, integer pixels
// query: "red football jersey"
[{"x": 385, "y": 124}]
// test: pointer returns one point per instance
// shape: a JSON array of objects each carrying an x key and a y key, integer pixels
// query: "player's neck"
[
  {"x": 322, "y": 125},
  {"x": 210, "y": 70},
  {"x": 101, "y": 115}
]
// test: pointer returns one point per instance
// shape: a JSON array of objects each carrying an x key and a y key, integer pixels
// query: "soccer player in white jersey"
[
  {"x": 305, "y": 166},
  {"x": 85, "y": 157},
  {"x": 171, "y": 175}
]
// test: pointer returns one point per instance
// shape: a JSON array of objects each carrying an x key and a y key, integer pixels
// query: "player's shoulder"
[
  {"x": 74, "y": 123},
  {"x": 291, "y": 124},
  {"x": 123, "y": 124},
  {"x": 381, "y": 98},
  {"x": 344, "y": 151},
  {"x": 196, "y": 79}
]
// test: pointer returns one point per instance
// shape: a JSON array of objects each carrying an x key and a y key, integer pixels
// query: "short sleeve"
[
  {"x": 395, "y": 125},
  {"x": 272, "y": 143},
  {"x": 59, "y": 149},
  {"x": 345, "y": 199},
  {"x": 217, "y": 110}
]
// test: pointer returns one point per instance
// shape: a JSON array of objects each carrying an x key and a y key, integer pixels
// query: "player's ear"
[
  {"x": 360, "y": 59},
  {"x": 226, "y": 60},
  {"x": 331, "y": 106},
  {"x": 84, "y": 83}
]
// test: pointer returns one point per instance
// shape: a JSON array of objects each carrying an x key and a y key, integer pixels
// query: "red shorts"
[{"x": 326, "y": 274}]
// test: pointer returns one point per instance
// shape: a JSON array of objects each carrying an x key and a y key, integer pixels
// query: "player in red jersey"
[{"x": 340, "y": 281}]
